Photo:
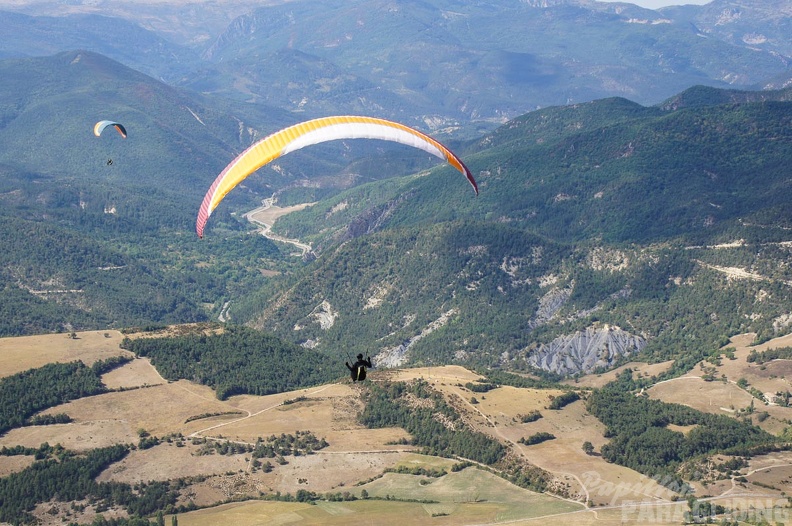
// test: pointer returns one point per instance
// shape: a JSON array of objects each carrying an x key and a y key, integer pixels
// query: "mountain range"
[{"x": 451, "y": 66}]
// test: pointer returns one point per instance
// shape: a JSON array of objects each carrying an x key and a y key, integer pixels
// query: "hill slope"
[
  {"x": 86, "y": 239},
  {"x": 596, "y": 215}
]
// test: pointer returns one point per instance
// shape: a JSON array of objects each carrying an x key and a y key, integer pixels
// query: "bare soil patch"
[
  {"x": 449, "y": 374},
  {"x": 710, "y": 397},
  {"x": 329, "y": 412},
  {"x": 268, "y": 215},
  {"x": 682, "y": 429},
  {"x": 137, "y": 373},
  {"x": 775, "y": 369},
  {"x": 167, "y": 461},
  {"x": 14, "y": 464},
  {"x": 77, "y": 436},
  {"x": 722, "y": 395},
  {"x": 19, "y": 354},
  {"x": 160, "y": 410},
  {"x": 589, "y": 477}
]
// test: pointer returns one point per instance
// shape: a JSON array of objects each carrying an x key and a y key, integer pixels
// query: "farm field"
[{"x": 471, "y": 496}]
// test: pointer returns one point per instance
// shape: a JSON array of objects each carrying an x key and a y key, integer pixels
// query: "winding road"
[{"x": 265, "y": 217}]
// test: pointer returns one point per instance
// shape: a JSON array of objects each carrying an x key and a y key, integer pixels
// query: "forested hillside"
[
  {"x": 94, "y": 244},
  {"x": 590, "y": 216}
]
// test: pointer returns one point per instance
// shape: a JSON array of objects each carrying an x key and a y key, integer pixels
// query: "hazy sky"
[{"x": 654, "y": 4}]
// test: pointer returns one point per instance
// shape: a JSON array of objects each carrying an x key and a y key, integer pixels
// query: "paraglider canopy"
[
  {"x": 101, "y": 125},
  {"x": 314, "y": 132}
]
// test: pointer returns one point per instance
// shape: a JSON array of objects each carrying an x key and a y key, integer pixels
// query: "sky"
[{"x": 655, "y": 4}]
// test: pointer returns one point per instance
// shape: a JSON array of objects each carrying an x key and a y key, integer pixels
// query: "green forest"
[
  {"x": 386, "y": 406},
  {"x": 238, "y": 360}
]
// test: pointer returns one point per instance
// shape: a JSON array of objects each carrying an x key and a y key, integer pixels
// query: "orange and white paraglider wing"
[
  {"x": 101, "y": 125},
  {"x": 314, "y": 132}
]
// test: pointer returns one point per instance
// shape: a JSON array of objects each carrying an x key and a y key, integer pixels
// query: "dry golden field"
[{"x": 26, "y": 352}]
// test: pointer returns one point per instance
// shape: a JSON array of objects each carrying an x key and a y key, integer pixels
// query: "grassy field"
[
  {"x": 471, "y": 496},
  {"x": 26, "y": 352}
]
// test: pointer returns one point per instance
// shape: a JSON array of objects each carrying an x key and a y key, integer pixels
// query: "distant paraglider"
[
  {"x": 101, "y": 125},
  {"x": 313, "y": 132}
]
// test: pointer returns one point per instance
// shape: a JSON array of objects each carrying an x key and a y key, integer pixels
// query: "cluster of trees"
[
  {"x": 24, "y": 394},
  {"x": 210, "y": 415},
  {"x": 418, "y": 470},
  {"x": 480, "y": 387},
  {"x": 784, "y": 353},
  {"x": 39, "y": 453},
  {"x": 237, "y": 361},
  {"x": 386, "y": 406},
  {"x": 641, "y": 440},
  {"x": 536, "y": 438},
  {"x": 558, "y": 402},
  {"x": 71, "y": 477},
  {"x": 530, "y": 416},
  {"x": 545, "y": 379},
  {"x": 101, "y": 520},
  {"x": 46, "y": 420},
  {"x": 299, "y": 443}
]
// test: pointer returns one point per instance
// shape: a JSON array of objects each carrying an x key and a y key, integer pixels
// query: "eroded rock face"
[
  {"x": 397, "y": 356},
  {"x": 585, "y": 351}
]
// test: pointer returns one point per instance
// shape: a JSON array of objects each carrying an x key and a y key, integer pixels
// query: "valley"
[{"x": 598, "y": 334}]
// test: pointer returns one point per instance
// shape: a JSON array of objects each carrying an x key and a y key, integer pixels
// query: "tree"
[{"x": 588, "y": 448}]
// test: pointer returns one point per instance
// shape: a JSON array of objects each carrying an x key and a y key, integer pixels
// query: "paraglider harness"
[{"x": 358, "y": 369}]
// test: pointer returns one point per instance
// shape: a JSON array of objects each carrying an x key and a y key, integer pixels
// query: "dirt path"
[
  {"x": 250, "y": 414},
  {"x": 265, "y": 217},
  {"x": 739, "y": 273}
]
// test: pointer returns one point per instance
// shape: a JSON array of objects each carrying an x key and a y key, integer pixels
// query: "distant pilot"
[{"x": 109, "y": 162}]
